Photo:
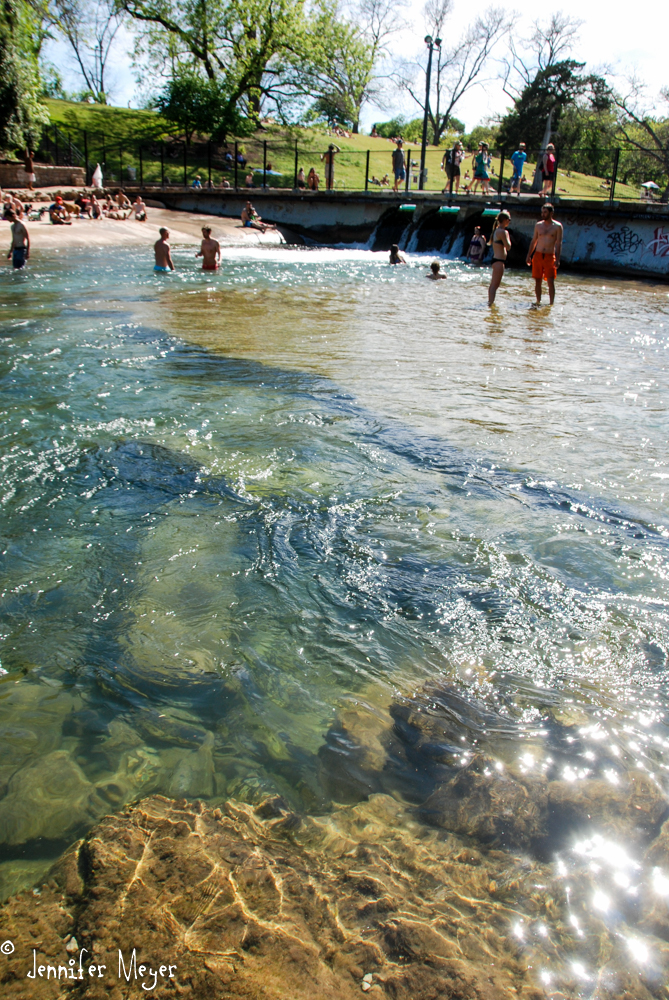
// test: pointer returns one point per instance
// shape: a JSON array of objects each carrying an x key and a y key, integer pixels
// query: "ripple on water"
[{"x": 296, "y": 530}]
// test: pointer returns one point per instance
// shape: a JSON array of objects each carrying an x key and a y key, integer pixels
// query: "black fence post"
[
  {"x": 185, "y": 165},
  {"x": 264, "y": 164},
  {"x": 120, "y": 165},
  {"x": 407, "y": 182},
  {"x": 104, "y": 156},
  {"x": 236, "y": 154},
  {"x": 69, "y": 146},
  {"x": 501, "y": 174},
  {"x": 295, "y": 183},
  {"x": 162, "y": 163},
  {"x": 141, "y": 168},
  {"x": 367, "y": 171},
  {"x": 614, "y": 174},
  {"x": 555, "y": 177},
  {"x": 85, "y": 157},
  {"x": 209, "y": 163}
]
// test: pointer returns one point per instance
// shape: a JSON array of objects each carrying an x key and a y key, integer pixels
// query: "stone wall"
[{"x": 13, "y": 175}]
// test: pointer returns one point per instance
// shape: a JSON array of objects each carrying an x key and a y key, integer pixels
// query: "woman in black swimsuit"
[{"x": 501, "y": 244}]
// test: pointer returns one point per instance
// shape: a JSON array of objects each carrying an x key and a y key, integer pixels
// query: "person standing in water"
[
  {"x": 163, "y": 253},
  {"x": 210, "y": 251},
  {"x": 19, "y": 251},
  {"x": 395, "y": 255},
  {"x": 544, "y": 253},
  {"x": 501, "y": 244}
]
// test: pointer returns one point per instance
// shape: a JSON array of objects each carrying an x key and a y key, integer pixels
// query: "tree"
[
  {"x": 553, "y": 88},
  {"x": 21, "y": 114},
  {"x": 458, "y": 68},
  {"x": 643, "y": 128},
  {"x": 238, "y": 41},
  {"x": 336, "y": 58},
  {"x": 548, "y": 44},
  {"x": 90, "y": 27},
  {"x": 196, "y": 104}
]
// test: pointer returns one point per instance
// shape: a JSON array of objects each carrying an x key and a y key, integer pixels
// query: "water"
[{"x": 318, "y": 527}]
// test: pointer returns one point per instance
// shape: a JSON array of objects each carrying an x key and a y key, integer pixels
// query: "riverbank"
[{"x": 184, "y": 227}]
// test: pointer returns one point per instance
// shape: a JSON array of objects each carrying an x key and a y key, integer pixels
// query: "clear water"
[{"x": 239, "y": 508}]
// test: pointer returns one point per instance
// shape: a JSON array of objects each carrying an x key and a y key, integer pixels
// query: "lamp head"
[
  {"x": 428, "y": 39},
  {"x": 437, "y": 42}
]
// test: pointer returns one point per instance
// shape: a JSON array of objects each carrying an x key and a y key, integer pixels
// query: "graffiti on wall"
[
  {"x": 623, "y": 241},
  {"x": 659, "y": 245}
]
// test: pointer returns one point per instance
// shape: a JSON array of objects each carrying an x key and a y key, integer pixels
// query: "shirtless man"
[
  {"x": 19, "y": 251},
  {"x": 161, "y": 248},
  {"x": 210, "y": 251},
  {"x": 544, "y": 252}
]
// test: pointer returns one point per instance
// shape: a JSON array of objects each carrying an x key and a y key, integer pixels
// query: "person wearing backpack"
[{"x": 451, "y": 165}]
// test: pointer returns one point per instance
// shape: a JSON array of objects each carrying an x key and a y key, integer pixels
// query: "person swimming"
[
  {"x": 435, "y": 271},
  {"x": 163, "y": 253},
  {"x": 501, "y": 244},
  {"x": 395, "y": 255}
]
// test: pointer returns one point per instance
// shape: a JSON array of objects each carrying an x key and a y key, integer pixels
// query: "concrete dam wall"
[{"x": 630, "y": 241}]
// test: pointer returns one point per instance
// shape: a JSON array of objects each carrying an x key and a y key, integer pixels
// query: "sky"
[{"x": 622, "y": 43}]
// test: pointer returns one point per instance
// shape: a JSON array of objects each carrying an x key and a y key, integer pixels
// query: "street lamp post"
[{"x": 431, "y": 45}]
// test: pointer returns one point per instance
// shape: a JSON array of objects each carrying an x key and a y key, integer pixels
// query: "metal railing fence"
[{"x": 593, "y": 173}]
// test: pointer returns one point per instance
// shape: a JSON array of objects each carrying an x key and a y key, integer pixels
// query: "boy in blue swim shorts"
[{"x": 163, "y": 254}]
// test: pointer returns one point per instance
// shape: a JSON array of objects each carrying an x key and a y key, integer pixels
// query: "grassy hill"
[{"x": 115, "y": 135}]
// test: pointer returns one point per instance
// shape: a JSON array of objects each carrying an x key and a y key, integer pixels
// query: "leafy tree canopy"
[
  {"x": 196, "y": 104},
  {"x": 21, "y": 114},
  {"x": 554, "y": 88}
]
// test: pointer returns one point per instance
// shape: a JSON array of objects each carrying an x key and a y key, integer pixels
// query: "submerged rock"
[
  {"x": 193, "y": 774},
  {"x": 629, "y": 809},
  {"x": 49, "y": 799},
  {"x": 249, "y": 904},
  {"x": 490, "y": 805}
]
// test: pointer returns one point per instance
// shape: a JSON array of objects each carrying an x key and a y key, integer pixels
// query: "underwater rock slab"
[{"x": 263, "y": 904}]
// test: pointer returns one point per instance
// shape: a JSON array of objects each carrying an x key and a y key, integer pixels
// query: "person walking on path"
[
  {"x": 518, "y": 161},
  {"x": 548, "y": 163},
  {"x": 19, "y": 250},
  {"x": 544, "y": 252},
  {"x": 29, "y": 167},
  {"x": 501, "y": 244},
  {"x": 398, "y": 165},
  {"x": 450, "y": 163},
  {"x": 328, "y": 159}
]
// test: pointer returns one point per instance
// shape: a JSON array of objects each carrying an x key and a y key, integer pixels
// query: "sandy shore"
[{"x": 184, "y": 227}]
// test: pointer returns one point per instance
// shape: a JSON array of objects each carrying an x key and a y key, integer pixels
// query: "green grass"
[{"x": 115, "y": 134}]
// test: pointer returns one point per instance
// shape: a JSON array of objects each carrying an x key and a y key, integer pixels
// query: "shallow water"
[{"x": 248, "y": 516}]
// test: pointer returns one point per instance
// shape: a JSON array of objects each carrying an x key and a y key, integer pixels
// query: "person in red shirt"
[{"x": 548, "y": 164}]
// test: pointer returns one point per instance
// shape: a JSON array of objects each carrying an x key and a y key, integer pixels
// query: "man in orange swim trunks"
[{"x": 544, "y": 252}]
